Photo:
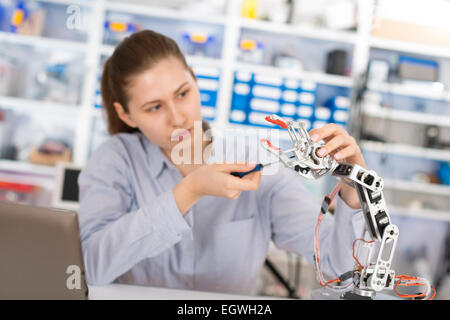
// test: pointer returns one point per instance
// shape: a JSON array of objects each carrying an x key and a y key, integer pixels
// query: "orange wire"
[
  {"x": 331, "y": 281},
  {"x": 319, "y": 220},
  {"x": 434, "y": 293},
  {"x": 353, "y": 251},
  {"x": 406, "y": 277}
]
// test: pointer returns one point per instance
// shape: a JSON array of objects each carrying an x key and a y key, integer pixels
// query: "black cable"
[
  {"x": 289, "y": 265},
  {"x": 291, "y": 291},
  {"x": 445, "y": 268},
  {"x": 297, "y": 272}
]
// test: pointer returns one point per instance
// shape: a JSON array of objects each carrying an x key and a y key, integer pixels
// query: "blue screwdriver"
[{"x": 258, "y": 167}]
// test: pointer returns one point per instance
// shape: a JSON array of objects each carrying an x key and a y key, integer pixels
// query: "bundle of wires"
[
  {"x": 320, "y": 278},
  {"x": 402, "y": 280}
]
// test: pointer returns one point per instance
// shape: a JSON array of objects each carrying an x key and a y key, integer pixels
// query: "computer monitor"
[
  {"x": 66, "y": 192},
  {"x": 40, "y": 253}
]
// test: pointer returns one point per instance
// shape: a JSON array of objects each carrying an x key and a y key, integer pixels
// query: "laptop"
[{"x": 40, "y": 253}]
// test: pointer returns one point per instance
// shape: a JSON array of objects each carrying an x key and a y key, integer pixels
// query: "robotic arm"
[{"x": 373, "y": 275}]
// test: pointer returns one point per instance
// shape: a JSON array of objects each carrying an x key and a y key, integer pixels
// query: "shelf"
[
  {"x": 158, "y": 12},
  {"x": 377, "y": 111},
  {"x": 403, "y": 46},
  {"x": 27, "y": 173},
  {"x": 43, "y": 106},
  {"x": 26, "y": 168},
  {"x": 412, "y": 91},
  {"x": 301, "y": 31},
  {"x": 406, "y": 150},
  {"x": 108, "y": 50},
  {"x": 42, "y": 42},
  {"x": 86, "y": 3},
  {"x": 420, "y": 213},
  {"x": 320, "y": 77},
  {"x": 204, "y": 61},
  {"x": 418, "y": 187}
]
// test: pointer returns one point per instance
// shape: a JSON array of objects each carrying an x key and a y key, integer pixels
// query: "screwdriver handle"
[{"x": 258, "y": 167}]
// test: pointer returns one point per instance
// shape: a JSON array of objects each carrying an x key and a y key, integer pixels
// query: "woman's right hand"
[{"x": 214, "y": 180}]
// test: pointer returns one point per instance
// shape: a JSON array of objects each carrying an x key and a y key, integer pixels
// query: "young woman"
[{"x": 148, "y": 220}]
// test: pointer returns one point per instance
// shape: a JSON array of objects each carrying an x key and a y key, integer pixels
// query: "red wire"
[
  {"x": 353, "y": 251},
  {"x": 400, "y": 277},
  {"x": 319, "y": 220},
  {"x": 400, "y": 284}
]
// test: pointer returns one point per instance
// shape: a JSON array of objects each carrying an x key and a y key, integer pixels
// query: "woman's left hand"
[{"x": 343, "y": 147}]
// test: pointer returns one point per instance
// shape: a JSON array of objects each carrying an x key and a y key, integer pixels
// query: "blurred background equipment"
[
  {"x": 336, "y": 62},
  {"x": 50, "y": 152},
  {"x": 197, "y": 44},
  {"x": 66, "y": 193},
  {"x": 410, "y": 68}
]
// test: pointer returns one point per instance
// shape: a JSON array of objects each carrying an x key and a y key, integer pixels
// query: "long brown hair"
[{"x": 134, "y": 55}]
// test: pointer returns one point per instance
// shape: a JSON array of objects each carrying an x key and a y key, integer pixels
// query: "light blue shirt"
[{"x": 133, "y": 232}]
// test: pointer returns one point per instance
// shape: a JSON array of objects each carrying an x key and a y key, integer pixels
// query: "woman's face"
[{"x": 164, "y": 102}]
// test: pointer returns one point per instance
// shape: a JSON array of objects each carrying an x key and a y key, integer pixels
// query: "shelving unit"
[
  {"x": 419, "y": 187},
  {"x": 420, "y": 213},
  {"x": 324, "y": 78},
  {"x": 160, "y": 12},
  {"x": 301, "y": 31},
  {"x": 390, "y": 113},
  {"x": 43, "y": 106},
  {"x": 406, "y": 116},
  {"x": 403, "y": 46},
  {"x": 27, "y": 168},
  {"x": 43, "y": 42},
  {"x": 405, "y": 90},
  {"x": 233, "y": 25},
  {"x": 405, "y": 149},
  {"x": 86, "y": 3}
]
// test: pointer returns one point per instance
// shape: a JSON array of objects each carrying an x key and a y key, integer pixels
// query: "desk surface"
[{"x": 130, "y": 292}]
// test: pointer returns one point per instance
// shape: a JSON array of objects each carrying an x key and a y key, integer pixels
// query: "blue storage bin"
[
  {"x": 288, "y": 110},
  {"x": 258, "y": 119},
  {"x": 291, "y": 84},
  {"x": 264, "y": 105},
  {"x": 289, "y": 96},
  {"x": 266, "y": 92},
  {"x": 318, "y": 124},
  {"x": 267, "y": 80},
  {"x": 340, "y": 116},
  {"x": 322, "y": 114},
  {"x": 208, "y": 113},
  {"x": 338, "y": 102},
  {"x": 306, "y": 97},
  {"x": 305, "y": 111},
  {"x": 308, "y": 86},
  {"x": 208, "y": 98},
  {"x": 208, "y": 82},
  {"x": 241, "y": 97}
]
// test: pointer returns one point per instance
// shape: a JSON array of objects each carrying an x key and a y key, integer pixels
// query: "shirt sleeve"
[
  {"x": 114, "y": 238},
  {"x": 294, "y": 212}
]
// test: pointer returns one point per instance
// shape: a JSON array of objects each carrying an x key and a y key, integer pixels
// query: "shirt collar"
[{"x": 157, "y": 159}]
